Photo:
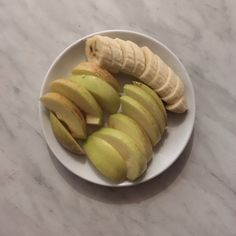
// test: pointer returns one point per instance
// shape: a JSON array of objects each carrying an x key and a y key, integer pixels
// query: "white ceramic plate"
[{"x": 180, "y": 126}]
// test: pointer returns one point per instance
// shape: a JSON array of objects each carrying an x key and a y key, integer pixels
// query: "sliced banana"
[
  {"x": 179, "y": 107},
  {"x": 163, "y": 73},
  {"x": 139, "y": 59},
  {"x": 116, "y": 55},
  {"x": 176, "y": 93},
  {"x": 151, "y": 65},
  {"x": 97, "y": 50},
  {"x": 169, "y": 86},
  {"x": 128, "y": 56},
  {"x": 153, "y": 83}
]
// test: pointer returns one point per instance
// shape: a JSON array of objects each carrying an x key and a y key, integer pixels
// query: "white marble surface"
[{"x": 196, "y": 196}]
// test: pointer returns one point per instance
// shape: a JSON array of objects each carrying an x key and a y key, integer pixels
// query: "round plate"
[{"x": 180, "y": 126}]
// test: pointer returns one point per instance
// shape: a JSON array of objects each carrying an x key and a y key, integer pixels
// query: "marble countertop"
[{"x": 196, "y": 196}]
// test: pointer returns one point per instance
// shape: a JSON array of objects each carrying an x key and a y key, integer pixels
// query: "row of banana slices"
[{"x": 117, "y": 55}]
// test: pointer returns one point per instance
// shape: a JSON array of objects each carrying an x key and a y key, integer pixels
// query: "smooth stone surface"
[{"x": 196, "y": 196}]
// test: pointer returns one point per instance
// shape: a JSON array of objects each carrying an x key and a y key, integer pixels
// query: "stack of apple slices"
[
  {"x": 122, "y": 148},
  {"x": 79, "y": 101},
  {"x": 130, "y": 135}
]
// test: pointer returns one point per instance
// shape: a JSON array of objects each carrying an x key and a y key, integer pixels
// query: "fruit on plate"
[
  {"x": 106, "y": 95},
  {"x": 142, "y": 116},
  {"x": 139, "y": 59},
  {"x": 154, "y": 96},
  {"x": 98, "y": 51},
  {"x": 177, "y": 93},
  {"x": 158, "y": 79},
  {"x": 129, "y": 126},
  {"x": 63, "y": 136},
  {"x": 148, "y": 102},
  {"x": 161, "y": 76},
  {"x": 67, "y": 112},
  {"x": 135, "y": 159},
  {"x": 154, "y": 72},
  {"x": 151, "y": 65},
  {"x": 128, "y": 56},
  {"x": 81, "y": 97},
  {"x": 179, "y": 106},
  {"x": 167, "y": 87},
  {"x": 89, "y": 68},
  {"x": 106, "y": 159},
  {"x": 116, "y": 55}
]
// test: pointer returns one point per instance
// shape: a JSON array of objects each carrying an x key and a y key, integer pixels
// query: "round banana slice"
[
  {"x": 151, "y": 66},
  {"x": 116, "y": 55},
  {"x": 139, "y": 59},
  {"x": 163, "y": 73},
  {"x": 128, "y": 56},
  {"x": 169, "y": 86},
  {"x": 154, "y": 84},
  {"x": 179, "y": 107},
  {"x": 97, "y": 50},
  {"x": 176, "y": 94}
]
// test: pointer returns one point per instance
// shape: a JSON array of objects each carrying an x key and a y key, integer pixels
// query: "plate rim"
[{"x": 57, "y": 58}]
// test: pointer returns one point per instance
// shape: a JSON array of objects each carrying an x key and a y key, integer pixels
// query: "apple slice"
[
  {"x": 89, "y": 68},
  {"x": 106, "y": 96},
  {"x": 144, "y": 118},
  {"x": 66, "y": 111},
  {"x": 129, "y": 126},
  {"x": 148, "y": 102},
  {"x": 105, "y": 158},
  {"x": 154, "y": 95},
  {"x": 63, "y": 136},
  {"x": 135, "y": 160},
  {"x": 81, "y": 97}
]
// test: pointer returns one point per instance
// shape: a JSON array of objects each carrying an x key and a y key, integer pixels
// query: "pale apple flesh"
[
  {"x": 154, "y": 95},
  {"x": 134, "y": 157},
  {"x": 106, "y": 159},
  {"x": 142, "y": 116},
  {"x": 148, "y": 102},
  {"x": 63, "y": 136},
  {"x": 81, "y": 97},
  {"x": 89, "y": 68},
  {"x": 66, "y": 111},
  {"x": 129, "y": 126},
  {"x": 106, "y": 95}
]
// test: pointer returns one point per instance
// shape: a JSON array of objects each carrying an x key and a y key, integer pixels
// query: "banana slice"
[
  {"x": 116, "y": 55},
  {"x": 176, "y": 93},
  {"x": 179, "y": 107},
  {"x": 151, "y": 65},
  {"x": 163, "y": 73},
  {"x": 128, "y": 56},
  {"x": 153, "y": 83},
  {"x": 169, "y": 86},
  {"x": 98, "y": 51},
  {"x": 139, "y": 59}
]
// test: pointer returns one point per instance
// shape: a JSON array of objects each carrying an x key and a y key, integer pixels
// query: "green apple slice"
[
  {"x": 81, "y": 97},
  {"x": 89, "y": 68},
  {"x": 105, "y": 158},
  {"x": 148, "y": 102},
  {"x": 134, "y": 157},
  {"x": 105, "y": 95},
  {"x": 63, "y": 136},
  {"x": 66, "y": 111},
  {"x": 142, "y": 116},
  {"x": 129, "y": 126},
  {"x": 154, "y": 95}
]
